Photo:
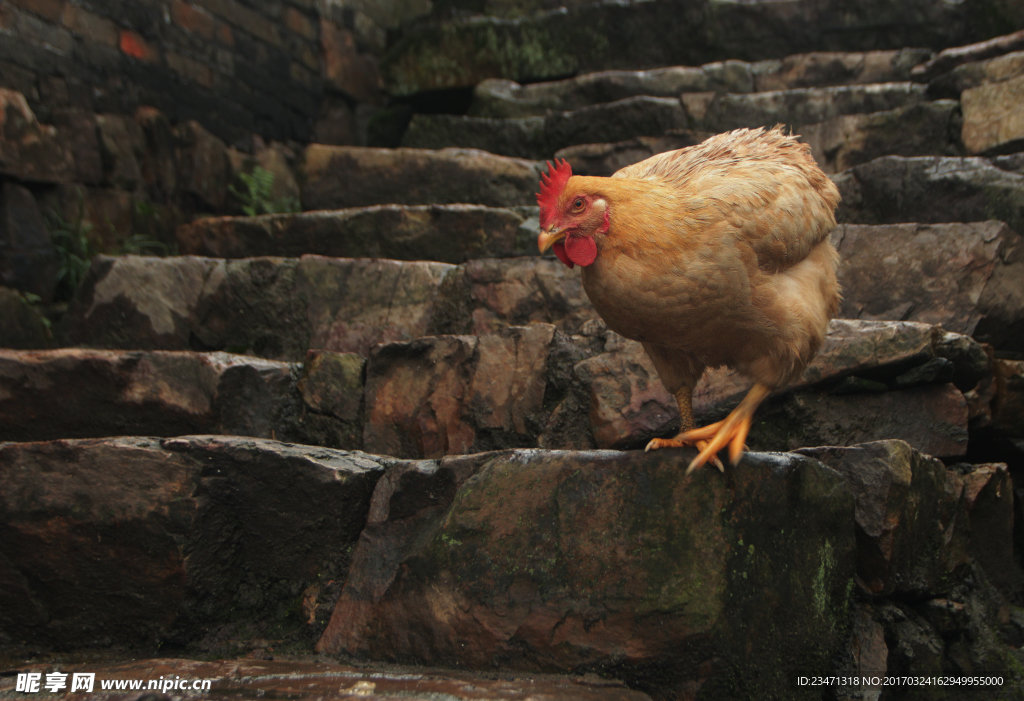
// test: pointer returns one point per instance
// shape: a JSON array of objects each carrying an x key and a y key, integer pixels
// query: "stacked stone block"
[
  {"x": 503, "y": 517},
  {"x": 238, "y": 68}
]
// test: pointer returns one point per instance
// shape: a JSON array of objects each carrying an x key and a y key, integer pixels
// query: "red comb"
[{"x": 551, "y": 185}]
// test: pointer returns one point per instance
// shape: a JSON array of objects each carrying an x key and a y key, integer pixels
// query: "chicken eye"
[{"x": 577, "y": 206}]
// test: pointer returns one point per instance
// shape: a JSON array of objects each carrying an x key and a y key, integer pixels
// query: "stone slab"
[
  {"x": 86, "y": 393},
  {"x": 992, "y": 117},
  {"x": 338, "y": 177},
  {"x": 554, "y": 42},
  {"x": 449, "y": 394},
  {"x": 948, "y": 59},
  {"x": 848, "y": 394},
  {"x": 963, "y": 276},
  {"x": 931, "y": 190},
  {"x": 921, "y": 129},
  {"x": 445, "y": 395},
  {"x": 139, "y": 541},
  {"x": 975, "y": 74},
  {"x": 444, "y": 233},
  {"x": 799, "y": 106},
  {"x": 912, "y": 535},
  {"x": 276, "y": 308},
  {"x": 597, "y": 560},
  {"x": 506, "y": 98}
]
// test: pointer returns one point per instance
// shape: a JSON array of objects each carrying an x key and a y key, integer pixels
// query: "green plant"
[
  {"x": 143, "y": 244},
  {"x": 258, "y": 197},
  {"x": 74, "y": 249},
  {"x": 148, "y": 221},
  {"x": 32, "y": 300}
]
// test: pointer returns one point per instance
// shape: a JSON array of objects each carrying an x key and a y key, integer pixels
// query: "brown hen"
[{"x": 717, "y": 254}]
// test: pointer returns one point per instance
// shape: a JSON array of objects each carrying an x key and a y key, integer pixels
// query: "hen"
[{"x": 717, "y": 254}]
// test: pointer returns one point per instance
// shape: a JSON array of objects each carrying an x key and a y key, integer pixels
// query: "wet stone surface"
[
  {"x": 309, "y": 681},
  {"x": 606, "y": 561}
]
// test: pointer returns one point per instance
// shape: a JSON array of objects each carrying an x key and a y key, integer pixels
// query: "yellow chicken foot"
[
  {"x": 684, "y": 398},
  {"x": 678, "y": 442},
  {"x": 732, "y": 431}
]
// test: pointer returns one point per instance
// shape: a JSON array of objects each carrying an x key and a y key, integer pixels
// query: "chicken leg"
[
  {"x": 684, "y": 398},
  {"x": 731, "y": 431}
]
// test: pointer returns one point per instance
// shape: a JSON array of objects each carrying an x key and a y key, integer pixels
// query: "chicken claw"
[
  {"x": 680, "y": 442},
  {"x": 731, "y": 431}
]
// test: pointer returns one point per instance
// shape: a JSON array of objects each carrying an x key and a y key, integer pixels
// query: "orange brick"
[
  {"x": 137, "y": 47},
  {"x": 299, "y": 23},
  {"x": 52, "y": 10},
  {"x": 193, "y": 19}
]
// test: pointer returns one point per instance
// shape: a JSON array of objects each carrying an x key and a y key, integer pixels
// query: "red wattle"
[
  {"x": 581, "y": 250},
  {"x": 559, "y": 248}
]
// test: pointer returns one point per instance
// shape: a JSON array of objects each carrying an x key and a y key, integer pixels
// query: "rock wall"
[{"x": 239, "y": 68}]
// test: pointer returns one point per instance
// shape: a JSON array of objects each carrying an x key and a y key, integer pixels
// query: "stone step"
[
  {"x": 972, "y": 75},
  {"x": 86, "y": 393},
  {"x": 966, "y": 277},
  {"x": 951, "y": 58},
  {"x": 847, "y": 124},
  {"x": 797, "y": 107},
  {"x": 992, "y": 122},
  {"x": 138, "y": 541},
  {"x": 800, "y": 91},
  {"x": 585, "y": 37},
  {"x": 531, "y": 386},
  {"x": 498, "y": 98},
  {"x": 921, "y": 129},
  {"x": 538, "y": 137},
  {"x": 932, "y": 190},
  {"x": 141, "y": 542},
  {"x": 603, "y": 160},
  {"x": 340, "y": 177},
  {"x": 262, "y": 676},
  {"x": 280, "y": 307},
  {"x": 520, "y": 386},
  {"x": 543, "y": 557},
  {"x": 989, "y": 88},
  {"x": 837, "y": 144},
  {"x": 443, "y": 233}
]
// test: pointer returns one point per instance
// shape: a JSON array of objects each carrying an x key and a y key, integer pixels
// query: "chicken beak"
[{"x": 548, "y": 237}]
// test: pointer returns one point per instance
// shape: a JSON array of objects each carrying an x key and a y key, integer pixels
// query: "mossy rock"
[{"x": 620, "y": 563}]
